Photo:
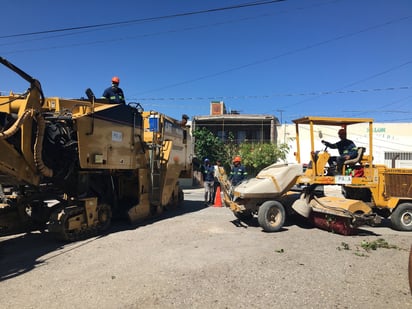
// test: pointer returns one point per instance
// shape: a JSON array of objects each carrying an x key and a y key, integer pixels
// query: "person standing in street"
[
  {"x": 208, "y": 173},
  {"x": 218, "y": 173},
  {"x": 238, "y": 171}
]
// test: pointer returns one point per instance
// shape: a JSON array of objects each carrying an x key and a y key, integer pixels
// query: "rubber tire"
[
  {"x": 271, "y": 216},
  {"x": 401, "y": 217}
]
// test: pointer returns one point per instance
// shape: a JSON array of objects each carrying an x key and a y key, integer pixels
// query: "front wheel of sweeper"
[{"x": 271, "y": 216}]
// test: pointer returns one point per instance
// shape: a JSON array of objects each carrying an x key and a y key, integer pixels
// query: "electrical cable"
[
  {"x": 271, "y": 96},
  {"x": 141, "y": 20},
  {"x": 287, "y": 53}
]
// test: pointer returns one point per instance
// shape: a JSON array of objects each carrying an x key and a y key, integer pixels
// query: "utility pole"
[
  {"x": 281, "y": 113},
  {"x": 281, "y": 120}
]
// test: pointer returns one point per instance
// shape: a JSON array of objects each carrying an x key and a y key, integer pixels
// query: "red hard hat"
[
  {"x": 115, "y": 80},
  {"x": 237, "y": 159}
]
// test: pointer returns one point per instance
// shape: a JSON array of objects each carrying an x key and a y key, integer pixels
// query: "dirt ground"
[{"x": 202, "y": 257}]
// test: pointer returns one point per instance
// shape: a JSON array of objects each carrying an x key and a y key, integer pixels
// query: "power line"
[
  {"x": 380, "y": 108},
  {"x": 357, "y": 82},
  {"x": 142, "y": 20},
  {"x": 276, "y": 95},
  {"x": 266, "y": 14},
  {"x": 117, "y": 39},
  {"x": 379, "y": 111},
  {"x": 287, "y": 53}
]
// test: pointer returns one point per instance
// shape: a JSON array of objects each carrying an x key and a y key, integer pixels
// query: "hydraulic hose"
[
  {"x": 41, "y": 125},
  {"x": 16, "y": 125},
  {"x": 38, "y": 147}
]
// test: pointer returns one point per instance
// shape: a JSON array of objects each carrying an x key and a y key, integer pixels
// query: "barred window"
[{"x": 398, "y": 155}]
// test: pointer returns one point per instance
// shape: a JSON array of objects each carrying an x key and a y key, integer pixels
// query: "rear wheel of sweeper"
[
  {"x": 401, "y": 217},
  {"x": 271, "y": 216}
]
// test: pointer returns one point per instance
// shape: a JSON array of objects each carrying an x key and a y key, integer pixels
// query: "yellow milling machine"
[{"x": 70, "y": 166}]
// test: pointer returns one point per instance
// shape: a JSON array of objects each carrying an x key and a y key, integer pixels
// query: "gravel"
[{"x": 202, "y": 257}]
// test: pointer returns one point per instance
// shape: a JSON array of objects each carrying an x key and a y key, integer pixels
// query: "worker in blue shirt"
[
  {"x": 114, "y": 93},
  {"x": 347, "y": 150},
  {"x": 238, "y": 171}
]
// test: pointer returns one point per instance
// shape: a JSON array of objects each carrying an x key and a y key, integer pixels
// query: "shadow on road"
[
  {"x": 188, "y": 207},
  {"x": 303, "y": 223},
  {"x": 21, "y": 253},
  {"x": 291, "y": 220}
]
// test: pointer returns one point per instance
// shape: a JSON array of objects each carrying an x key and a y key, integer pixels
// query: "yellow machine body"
[
  {"x": 387, "y": 192},
  {"x": 92, "y": 159}
]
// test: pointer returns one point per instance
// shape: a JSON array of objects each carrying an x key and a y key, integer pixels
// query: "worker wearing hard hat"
[
  {"x": 114, "y": 93},
  {"x": 347, "y": 150},
  {"x": 238, "y": 171}
]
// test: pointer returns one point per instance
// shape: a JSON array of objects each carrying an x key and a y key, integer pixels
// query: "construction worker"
[
  {"x": 184, "y": 120},
  {"x": 208, "y": 172},
  {"x": 238, "y": 171},
  {"x": 219, "y": 171},
  {"x": 114, "y": 93},
  {"x": 183, "y": 124},
  {"x": 347, "y": 150}
]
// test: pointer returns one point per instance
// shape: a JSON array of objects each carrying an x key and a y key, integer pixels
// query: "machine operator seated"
[{"x": 347, "y": 150}]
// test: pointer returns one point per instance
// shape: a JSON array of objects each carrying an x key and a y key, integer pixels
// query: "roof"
[
  {"x": 235, "y": 117},
  {"x": 331, "y": 121}
]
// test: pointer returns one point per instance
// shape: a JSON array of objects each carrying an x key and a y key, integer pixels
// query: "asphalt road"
[{"x": 202, "y": 257}]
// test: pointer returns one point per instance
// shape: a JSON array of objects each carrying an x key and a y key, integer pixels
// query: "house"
[{"x": 244, "y": 127}]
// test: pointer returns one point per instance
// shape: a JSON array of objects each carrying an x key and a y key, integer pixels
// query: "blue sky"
[{"x": 290, "y": 58}]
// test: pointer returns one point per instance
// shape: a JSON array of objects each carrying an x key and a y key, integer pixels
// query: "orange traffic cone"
[{"x": 218, "y": 198}]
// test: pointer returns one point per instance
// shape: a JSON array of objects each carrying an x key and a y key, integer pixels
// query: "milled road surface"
[{"x": 201, "y": 257}]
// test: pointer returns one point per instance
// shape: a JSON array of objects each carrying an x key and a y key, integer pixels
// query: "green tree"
[
  {"x": 231, "y": 149},
  {"x": 207, "y": 145},
  {"x": 256, "y": 156}
]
